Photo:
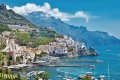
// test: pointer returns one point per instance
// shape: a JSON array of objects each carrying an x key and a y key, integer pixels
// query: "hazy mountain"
[{"x": 79, "y": 33}]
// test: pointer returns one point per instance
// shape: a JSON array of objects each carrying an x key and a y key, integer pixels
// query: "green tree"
[
  {"x": 2, "y": 45},
  {"x": 18, "y": 59},
  {"x": 42, "y": 54},
  {"x": 22, "y": 38},
  {"x": 4, "y": 27},
  {"x": 2, "y": 57},
  {"x": 19, "y": 77},
  {"x": 9, "y": 62},
  {"x": 4, "y": 70},
  {"x": 29, "y": 60},
  {"x": 42, "y": 41},
  {"x": 44, "y": 76}
]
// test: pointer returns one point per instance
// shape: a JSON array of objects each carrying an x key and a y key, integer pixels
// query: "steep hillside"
[
  {"x": 10, "y": 17},
  {"x": 32, "y": 37},
  {"x": 78, "y": 33}
]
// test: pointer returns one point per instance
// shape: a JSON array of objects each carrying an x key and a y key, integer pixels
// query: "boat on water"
[
  {"x": 108, "y": 50},
  {"x": 99, "y": 61},
  {"x": 59, "y": 76},
  {"x": 92, "y": 67},
  {"x": 34, "y": 73},
  {"x": 67, "y": 77},
  {"x": 102, "y": 77}
]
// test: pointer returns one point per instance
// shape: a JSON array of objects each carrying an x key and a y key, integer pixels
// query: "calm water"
[{"x": 110, "y": 58}]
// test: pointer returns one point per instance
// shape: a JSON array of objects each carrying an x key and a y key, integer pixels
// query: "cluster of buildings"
[
  {"x": 61, "y": 47},
  {"x": 65, "y": 46},
  {"x": 16, "y": 50}
]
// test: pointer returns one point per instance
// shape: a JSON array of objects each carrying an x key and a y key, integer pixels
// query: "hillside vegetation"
[
  {"x": 4, "y": 27},
  {"x": 34, "y": 39},
  {"x": 2, "y": 44},
  {"x": 10, "y": 17}
]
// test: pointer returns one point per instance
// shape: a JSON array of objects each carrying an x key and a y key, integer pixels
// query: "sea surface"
[{"x": 110, "y": 66}]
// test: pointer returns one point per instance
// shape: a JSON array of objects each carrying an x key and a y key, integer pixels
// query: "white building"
[
  {"x": 61, "y": 46},
  {"x": 27, "y": 53},
  {"x": 57, "y": 49},
  {"x": 44, "y": 48},
  {"x": 11, "y": 46}
]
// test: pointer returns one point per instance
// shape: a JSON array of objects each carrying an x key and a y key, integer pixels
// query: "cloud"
[{"x": 46, "y": 8}]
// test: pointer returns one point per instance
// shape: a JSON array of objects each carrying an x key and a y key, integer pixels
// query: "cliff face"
[{"x": 87, "y": 53}]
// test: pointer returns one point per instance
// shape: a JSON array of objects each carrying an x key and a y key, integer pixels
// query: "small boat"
[
  {"x": 101, "y": 77},
  {"x": 88, "y": 73},
  {"x": 67, "y": 78},
  {"x": 31, "y": 73},
  {"x": 108, "y": 50},
  {"x": 99, "y": 61},
  {"x": 92, "y": 67},
  {"x": 59, "y": 76}
]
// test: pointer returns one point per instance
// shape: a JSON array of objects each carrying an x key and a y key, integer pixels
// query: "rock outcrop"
[{"x": 87, "y": 52}]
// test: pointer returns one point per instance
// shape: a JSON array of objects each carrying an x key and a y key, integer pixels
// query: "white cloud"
[
  {"x": 81, "y": 14},
  {"x": 46, "y": 8}
]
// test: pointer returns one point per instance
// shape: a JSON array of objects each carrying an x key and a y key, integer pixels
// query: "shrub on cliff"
[{"x": 4, "y": 27}]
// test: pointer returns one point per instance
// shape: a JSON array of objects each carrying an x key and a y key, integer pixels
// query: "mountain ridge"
[{"x": 79, "y": 33}]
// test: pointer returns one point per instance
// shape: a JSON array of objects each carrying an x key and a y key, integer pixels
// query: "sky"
[{"x": 102, "y": 15}]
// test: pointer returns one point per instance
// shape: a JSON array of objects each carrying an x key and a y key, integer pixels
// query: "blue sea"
[{"x": 111, "y": 58}]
